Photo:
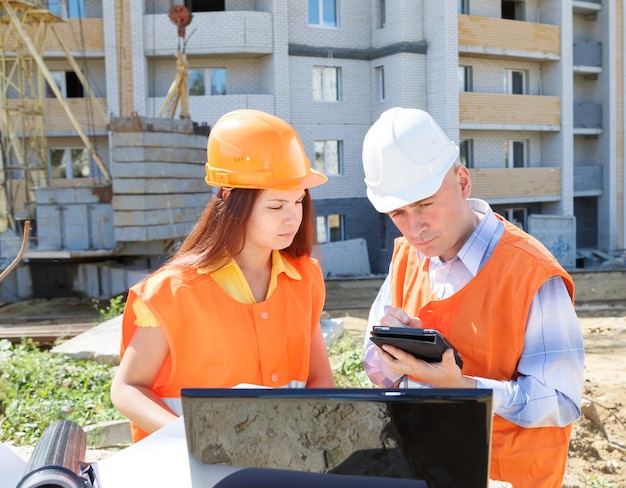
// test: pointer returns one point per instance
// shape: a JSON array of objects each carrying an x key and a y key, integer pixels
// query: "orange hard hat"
[{"x": 253, "y": 149}]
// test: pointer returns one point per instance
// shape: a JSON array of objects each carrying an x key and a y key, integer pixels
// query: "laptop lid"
[{"x": 442, "y": 436}]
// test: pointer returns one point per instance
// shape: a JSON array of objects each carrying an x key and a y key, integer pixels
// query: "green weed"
[
  {"x": 347, "y": 361},
  {"x": 38, "y": 388},
  {"x": 114, "y": 308},
  {"x": 595, "y": 482}
]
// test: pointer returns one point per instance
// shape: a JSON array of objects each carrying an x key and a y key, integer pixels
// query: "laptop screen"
[{"x": 442, "y": 436}]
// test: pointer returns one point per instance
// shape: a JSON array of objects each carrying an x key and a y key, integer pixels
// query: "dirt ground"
[{"x": 597, "y": 457}]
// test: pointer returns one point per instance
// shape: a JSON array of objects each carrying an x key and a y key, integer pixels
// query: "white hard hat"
[{"x": 405, "y": 157}]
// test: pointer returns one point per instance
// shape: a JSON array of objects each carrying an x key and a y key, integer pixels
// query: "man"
[{"x": 492, "y": 290}]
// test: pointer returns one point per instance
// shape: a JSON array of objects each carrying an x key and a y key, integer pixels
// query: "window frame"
[
  {"x": 463, "y": 7},
  {"x": 67, "y": 9},
  {"x": 516, "y": 10},
  {"x": 382, "y": 14},
  {"x": 212, "y": 74},
  {"x": 510, "y": 215},
  {"x": 324, "y": 167},
  {"x": 323, "y": 76},
  {"x": 68, "y": 157},
  {"x": 466, "y": 146},
  {"x": 465, "y": 77},
  {"x": 510, "y": 82},
  {"x": 380, "y": 82},
  {"x": 508, "y": 156},
  {"x": 59, "y": 78},
  {"x": 192, "y": 74},
  {"x": 206, "y": 6},
  {"x": 71, "y": 88},
  {"x": 319, "y": 19},
  {"x": 324, "y": 220},
  {"x": 208, "y": 74}
]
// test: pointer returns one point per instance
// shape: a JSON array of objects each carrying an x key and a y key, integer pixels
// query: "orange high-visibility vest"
[
  {"x": 486, "y": 321},
  {"x": 217, "y": 342}
]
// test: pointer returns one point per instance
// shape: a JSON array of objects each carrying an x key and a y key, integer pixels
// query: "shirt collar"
[{"x": 280, "y": 264}]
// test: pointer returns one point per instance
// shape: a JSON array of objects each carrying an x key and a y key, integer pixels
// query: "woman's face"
[{"x": 275, "y": 219}]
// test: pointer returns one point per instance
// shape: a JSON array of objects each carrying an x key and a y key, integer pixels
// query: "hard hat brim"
[
  {"x": 389, "y": 203},
  {"x": 264, "y": 181}
]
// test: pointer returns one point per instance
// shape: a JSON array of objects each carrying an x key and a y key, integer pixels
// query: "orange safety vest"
[
  {"x": 217, "y": 342},
  {"x": 486, "y": 321}
]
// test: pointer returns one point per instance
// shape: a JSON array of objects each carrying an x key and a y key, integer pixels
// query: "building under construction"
[{"x": 106, "y": 105}]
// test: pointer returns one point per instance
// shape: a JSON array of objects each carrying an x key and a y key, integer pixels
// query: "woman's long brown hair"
[{"x": 221, "y": 230}]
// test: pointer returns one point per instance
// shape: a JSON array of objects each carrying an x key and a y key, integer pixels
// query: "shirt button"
[
  {"x": 275, "y": 377},
  {"x": 265, "y": 315}
]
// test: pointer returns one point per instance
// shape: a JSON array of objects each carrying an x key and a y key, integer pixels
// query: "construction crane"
[
  {"x": 25, "y": 26},
  {"x": 178, "y": 91}
]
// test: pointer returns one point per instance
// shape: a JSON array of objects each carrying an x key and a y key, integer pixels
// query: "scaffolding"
[{"x": 24, "y": 82}]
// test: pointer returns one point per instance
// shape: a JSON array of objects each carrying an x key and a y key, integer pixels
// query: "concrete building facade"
[{"x": 532, "y": 91}]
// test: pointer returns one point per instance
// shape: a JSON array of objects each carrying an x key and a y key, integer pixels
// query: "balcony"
[
  {"x": 79, "y": 45},
  {"x": 587, "y": 180},
  {"x": 587, "y": 56},
  {"x": 587, "y": 7},
  {"x": 507, "y": 185},
  {"x": 490, "y": 37},
  {"x": 587, "y": 118},
  {"x": 239, "y": 31},
  {"x": 58, "y": 123},
  {"x": 497, "y": 111},
  {"x": 70, "y": 33}
]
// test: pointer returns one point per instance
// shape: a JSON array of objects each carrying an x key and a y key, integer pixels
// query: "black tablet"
[{"x": 425, "y": 344}]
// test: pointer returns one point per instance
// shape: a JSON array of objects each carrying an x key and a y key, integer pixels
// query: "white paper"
[{"x": 12, "y": 467}]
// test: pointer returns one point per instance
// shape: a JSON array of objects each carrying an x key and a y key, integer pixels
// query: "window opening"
[
  {"x": 206, "y": 5},
  {"x": 515, "y": 82},
  {"x": 328, "y": 157},
  {"x": 323, "y": 13},
  {"x": 515, "y": 154},
  {"x": 326, "y": 83},
  {"x": 329, "y": 228},
  {"x": 382, "y": 13},
  {"x": 464, "y": 75},
  {"x": 513, "y": 10},
  {"x": 466, "y": 153}
]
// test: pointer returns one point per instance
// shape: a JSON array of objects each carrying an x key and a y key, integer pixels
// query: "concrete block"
[
  {"x": 332, "y": 330},
  {"x": 101, "y": 343},
  {"x": 345, "y": 258},
  {"x": 53, "y": 195},
  {"x": 558, "y": 234},
  {"x": 115, "y": 433},
  {"x": 132, "y": 186}
]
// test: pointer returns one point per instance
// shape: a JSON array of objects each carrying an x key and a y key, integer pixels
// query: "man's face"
[{"x": 440, "y": 224}]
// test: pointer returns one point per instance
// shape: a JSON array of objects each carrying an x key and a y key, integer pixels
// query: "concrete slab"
[{"x": 100, "y": 343}]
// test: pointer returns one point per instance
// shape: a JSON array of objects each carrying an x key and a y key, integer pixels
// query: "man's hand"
[
  {"x": 396, "y": 317},
  {"x": 445, "y": 374}
]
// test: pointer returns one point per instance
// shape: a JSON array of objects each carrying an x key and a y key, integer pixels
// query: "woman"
[{"x": 240, "y": 301}]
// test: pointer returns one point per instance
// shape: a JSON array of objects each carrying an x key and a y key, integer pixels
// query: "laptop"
[{"x": 439, "y": 436}]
